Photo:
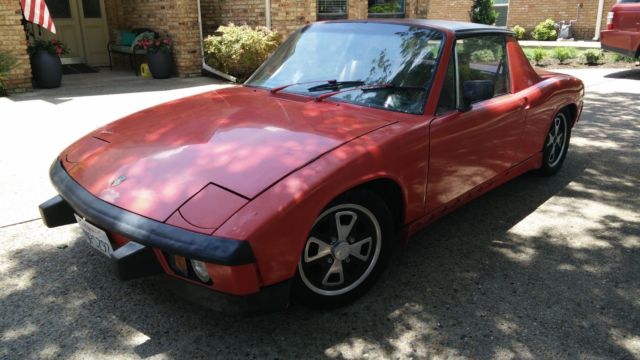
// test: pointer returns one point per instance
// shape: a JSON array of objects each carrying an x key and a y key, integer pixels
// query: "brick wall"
[
  {"x": 286, "y": 15},
  {"x": 177, "y": 18},
  {"x": 13, "y": 41},
  {"x": 528, "y": 13},
  {"x": 416, "y": 9},
  {"x": 450, "y": 9},
  {"x": 289, "y": 15}
]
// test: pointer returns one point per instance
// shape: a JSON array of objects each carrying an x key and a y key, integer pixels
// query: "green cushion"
[{"x": 125, "y": 38}]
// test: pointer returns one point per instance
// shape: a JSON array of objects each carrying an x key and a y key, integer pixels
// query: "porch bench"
[{"x": 132, "y": 49}]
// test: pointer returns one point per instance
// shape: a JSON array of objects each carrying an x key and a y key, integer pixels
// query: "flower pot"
[
  {"x": 47, "y": 69},
  {"x": 160, "y": 64}
]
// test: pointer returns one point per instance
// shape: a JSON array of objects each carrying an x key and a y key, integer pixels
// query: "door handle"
[{"x": 524, "y": 103}]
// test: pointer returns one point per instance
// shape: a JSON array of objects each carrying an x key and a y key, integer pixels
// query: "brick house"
[{"x": 183, "y": 19}]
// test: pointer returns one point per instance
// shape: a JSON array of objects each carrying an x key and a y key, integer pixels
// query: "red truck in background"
[{"x": 623, "y": 29}]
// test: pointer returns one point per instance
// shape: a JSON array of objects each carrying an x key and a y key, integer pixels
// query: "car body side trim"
[{"x": 146, "y": 231}]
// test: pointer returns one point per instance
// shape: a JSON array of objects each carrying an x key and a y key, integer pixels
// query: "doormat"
[{"x": 70, "y": 69}]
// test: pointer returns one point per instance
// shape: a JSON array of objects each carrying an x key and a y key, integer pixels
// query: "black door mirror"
[{"x": 477, "y": 90}]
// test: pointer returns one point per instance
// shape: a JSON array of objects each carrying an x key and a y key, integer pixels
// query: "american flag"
[{"x": 36, "y": 11}]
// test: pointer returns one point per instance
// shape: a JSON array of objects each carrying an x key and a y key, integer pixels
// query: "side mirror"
[{"x": 477, "y": 90}]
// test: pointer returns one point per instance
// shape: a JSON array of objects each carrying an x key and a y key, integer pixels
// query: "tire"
[
  {"x": 556, "y": 144},
  {"x": 347, "y": 248}
]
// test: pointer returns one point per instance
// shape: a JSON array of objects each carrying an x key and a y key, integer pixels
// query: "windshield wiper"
[
  {"x": 370, "y": 87},
  {"x": 277, "y": 89},
  {"x": 335, "y": 85}
]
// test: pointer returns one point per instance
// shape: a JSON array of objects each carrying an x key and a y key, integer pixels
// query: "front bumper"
[
  {"x": 137, "y": 228},
  {"x": 137, "y": 259}
]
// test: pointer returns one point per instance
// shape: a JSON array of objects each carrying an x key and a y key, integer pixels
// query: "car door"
[{"x": 472, "y": 142}]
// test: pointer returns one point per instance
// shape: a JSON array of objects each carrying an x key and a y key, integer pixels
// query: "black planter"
[
  {"x": 160, "y": 64},
  {"x": 47, "y": 69}
]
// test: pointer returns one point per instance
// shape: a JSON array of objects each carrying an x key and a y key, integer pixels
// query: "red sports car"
[{"x": 352, "y": 136}]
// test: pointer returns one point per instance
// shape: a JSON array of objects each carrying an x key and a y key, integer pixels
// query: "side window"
[
  {"x": 448, "y": 101},
  {"x": 484, "y": 58}
]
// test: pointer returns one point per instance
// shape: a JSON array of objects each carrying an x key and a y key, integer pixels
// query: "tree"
[{"x": 482, "y": 12}]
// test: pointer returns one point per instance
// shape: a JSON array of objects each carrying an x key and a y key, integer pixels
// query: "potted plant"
[
  {"x": 7, "y": 63},
  {"x": 45, "y": 62},
  {"x": 158, "y": 55}
]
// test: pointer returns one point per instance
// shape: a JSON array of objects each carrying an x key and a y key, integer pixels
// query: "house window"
[
  {"x": 386, "y": 8},
  {"x": 59, "y": 9},
  {"x": 502, "y": 8},
  {"x": 332, "y": 9}
]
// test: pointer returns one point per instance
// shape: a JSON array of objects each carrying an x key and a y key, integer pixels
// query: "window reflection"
[{"x": 398, "y": 55}]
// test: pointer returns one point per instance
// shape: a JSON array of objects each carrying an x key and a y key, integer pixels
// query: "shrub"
[
  {"x": 7, "y": 62},
  {"x": 619, "y": 57},
  {"x": 539, "y": 54},
  {"x": 593, "y": 56},
  {"x": 240, "y": 50},
  {"x": 545, "y": 30},
  {"x": 482, "y": 12},
  {"x": 389, "y": 7},
  {"x": 563, "y": 54},
  {"x": 519, "y": 31},
  {"x": 483, "y": 56}
]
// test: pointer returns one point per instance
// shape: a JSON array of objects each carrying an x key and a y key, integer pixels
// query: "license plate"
[{"x": 95, "y": 237}]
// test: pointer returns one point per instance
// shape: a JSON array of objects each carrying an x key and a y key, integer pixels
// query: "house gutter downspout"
[
  {"x": 206, "y": 67},
  {"x": 596, "y": 36},
  {"x": 267, "y": 13}
]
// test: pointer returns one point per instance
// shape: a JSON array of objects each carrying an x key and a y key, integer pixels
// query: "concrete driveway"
[{"x": 540, "y": 268}]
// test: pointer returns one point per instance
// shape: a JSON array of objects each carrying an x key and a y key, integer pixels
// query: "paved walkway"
[
  {"x": 567, "y": 43},
  {"x": 36, "y": 126}
]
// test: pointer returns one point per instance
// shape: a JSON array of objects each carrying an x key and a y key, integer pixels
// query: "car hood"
[{"x": 243, "y": 140}]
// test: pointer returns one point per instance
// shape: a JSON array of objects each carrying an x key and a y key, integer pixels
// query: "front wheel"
[
  {"x": 556, "y": 144},
  {"x": 345, "y": 252}
]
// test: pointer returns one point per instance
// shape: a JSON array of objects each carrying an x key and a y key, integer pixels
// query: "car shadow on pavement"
[
  {"x": 631, "y": 74},
  {"x": 540, "y": 267}
]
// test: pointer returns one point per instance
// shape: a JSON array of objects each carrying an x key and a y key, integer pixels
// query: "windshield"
[{"x": 345, "y": 58}]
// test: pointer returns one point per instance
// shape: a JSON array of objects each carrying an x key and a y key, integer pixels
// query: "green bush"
[
  {"x": 593, "y": 56},
  {"x": 7, "y": 62},
  {"x": 563, "y": 54},
  {"x": 528, "y": 52},
  {"x": 482, "y": 12},
  {"x": 539, "y": 54},
  {"x": 619, "y": 57},
  {"x": 240, "y": 50},
  {"x": 390, "y": 7},
  {"x": 545, "y": 30},
  {"x": 519, "y": 31},
  {"x": 483, "y": 56}
]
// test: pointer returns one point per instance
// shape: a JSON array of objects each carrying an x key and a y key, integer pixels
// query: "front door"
[{"x": 82, "y": 26}]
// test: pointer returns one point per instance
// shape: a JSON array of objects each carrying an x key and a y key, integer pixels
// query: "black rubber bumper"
[{"x": 74, "y": 198}]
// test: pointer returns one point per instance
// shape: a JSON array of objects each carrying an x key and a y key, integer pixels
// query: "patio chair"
[{"x": 127, "y": 44}]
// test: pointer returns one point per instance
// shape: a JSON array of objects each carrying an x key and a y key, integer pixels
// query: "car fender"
[{"x": 277, "y": 223}]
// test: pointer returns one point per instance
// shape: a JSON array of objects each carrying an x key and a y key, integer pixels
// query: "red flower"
[{"x": 58, "y": 50}]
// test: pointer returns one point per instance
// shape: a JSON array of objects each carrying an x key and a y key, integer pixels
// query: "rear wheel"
[
  {"x": 345, "y": 251},
  {"x": 556, "y": 144}
]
